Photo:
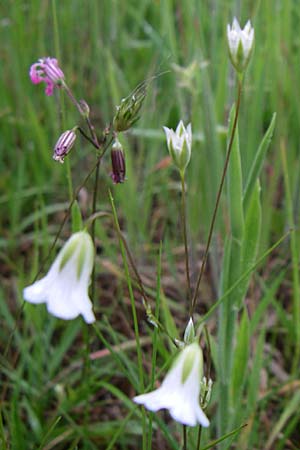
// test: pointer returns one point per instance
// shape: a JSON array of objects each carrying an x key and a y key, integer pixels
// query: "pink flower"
[{"x": 48, "y": 71}]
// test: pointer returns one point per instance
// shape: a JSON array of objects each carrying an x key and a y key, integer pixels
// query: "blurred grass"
[{"x": 106, "y": 48}]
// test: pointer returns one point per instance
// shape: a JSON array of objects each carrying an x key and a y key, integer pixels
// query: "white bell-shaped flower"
[
  {"x": 65, "y": 287},
  {"x": 180, "y": 390},
  {"x": 240, "y": 43},
  {"x": 180, "y": 144}
]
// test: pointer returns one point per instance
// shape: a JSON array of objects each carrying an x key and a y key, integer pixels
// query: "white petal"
[
  {"x": 81, "y": 300},
  {"x": 236, "y": 25},
  {"x": 247, "y": 27},
  {"x": 180, "y": 128},
  {"x": 59, "y": 301},
  {"x": 201, "y": 417},
  {"x": 153, "y": 401},
  {"x": 168, "y": 134},
  {"x": 183, "y": 412},
  {"x": 37, "y": 292}
]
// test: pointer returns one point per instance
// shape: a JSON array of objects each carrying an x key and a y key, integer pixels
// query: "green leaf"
[
  {"x": 226, "y": 436},
  {"x": 240, "y": 362},
  {"x": 258, "y": 162},
  {"x": 251, "y": 237}
]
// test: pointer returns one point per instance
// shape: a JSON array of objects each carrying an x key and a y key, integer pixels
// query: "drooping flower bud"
[
  {"x": 240, "y": 43},
  {"x": 118, "y": 162},
  {"x": 64, "y": 145},
  {"x": 48, "y": 71},
  {"x": 128, "y": 111},
  {"x": 180, "y": 145}
]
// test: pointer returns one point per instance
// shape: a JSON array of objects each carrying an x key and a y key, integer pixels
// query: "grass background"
[{"x": 50, "y": 399}]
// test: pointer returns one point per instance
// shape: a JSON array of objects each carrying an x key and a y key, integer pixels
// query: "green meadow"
[{"x": 66, "y": 384}]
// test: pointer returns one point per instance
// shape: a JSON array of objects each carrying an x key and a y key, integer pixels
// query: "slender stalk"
[
  {"x": 88, "y": 138},
  {"x": 184, "y": 233},
  {"x": 94, "y": 207},
  {"x": 135, "y": 319},
  {"x": 214, "y": 216},
  {"x": 184, "y": 437},
  {"x": 154, "y": 342},
  {"x": 62, "y": 103},
  {"x": 199, "y": 437},
  {"x": 207, "y": 374}
]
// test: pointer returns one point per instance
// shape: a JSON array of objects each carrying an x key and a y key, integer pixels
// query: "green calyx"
[{"x": 189, "y": 361}]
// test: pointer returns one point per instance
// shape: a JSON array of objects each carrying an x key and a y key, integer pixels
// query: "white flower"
[
  {"x": 65, "y": 287},
  {"x": 240, "y": 44},
  {"x": 180, "y": 390},
  {"x": 180, "y": 144}
]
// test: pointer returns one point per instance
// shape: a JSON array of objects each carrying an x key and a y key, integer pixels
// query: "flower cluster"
[{"x": 64, "y": 289}]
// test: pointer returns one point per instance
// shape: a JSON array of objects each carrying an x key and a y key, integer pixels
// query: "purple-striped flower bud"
[
  {"x": 118, "y": 162},
  {"x": 64, "y": 145}
]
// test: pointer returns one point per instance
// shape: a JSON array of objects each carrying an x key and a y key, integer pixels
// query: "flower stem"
[
  {"x": 134, "y": 317},
  {"x": 94, "y": 207},
  {"x": 88, "y": 138},
  {"x": 184, "y": 437},
  {"x": 199, "y": 437},
  {"x": 186, "y": 250},
  {"x": 214, "y": 216}
]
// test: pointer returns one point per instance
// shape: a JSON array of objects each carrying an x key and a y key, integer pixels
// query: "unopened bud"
[
  {"x": 189, "y": 333},
  {"x": 64, "y": 145},
  {"x": 180, "y": 145},
  {"x": 240, "y": 43},
  {"x": 205, "y": 392},
  {"x": 118, "y": 162},
  {"x": 128, "y": 111},
  {"x": 84, "y": 108}
]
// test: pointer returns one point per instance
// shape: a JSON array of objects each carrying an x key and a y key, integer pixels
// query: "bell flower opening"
[
  {"x": 240, "y": 43},
  {"x": 180, "y": 390},
  {"x": 65, "y": 287},
  {"x": 47, "y": 70},
  {"x": 179, "y": 144}
]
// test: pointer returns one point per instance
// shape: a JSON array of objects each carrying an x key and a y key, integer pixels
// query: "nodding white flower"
[
  {"x": 65, "y": 287},
  {"x": 180, "y": 390},
  {"x": 180, "y": 144},
  {"x": 240, "y": 44}
]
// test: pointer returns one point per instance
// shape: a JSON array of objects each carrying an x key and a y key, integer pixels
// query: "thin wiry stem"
[
  {"x": 94, "y": 207},
  {"x": 199, "y": 437},
  {"x": 184, "y": 437},
  {"x": 184, "y": 232},
  {"x": 214, "y": 216}
]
